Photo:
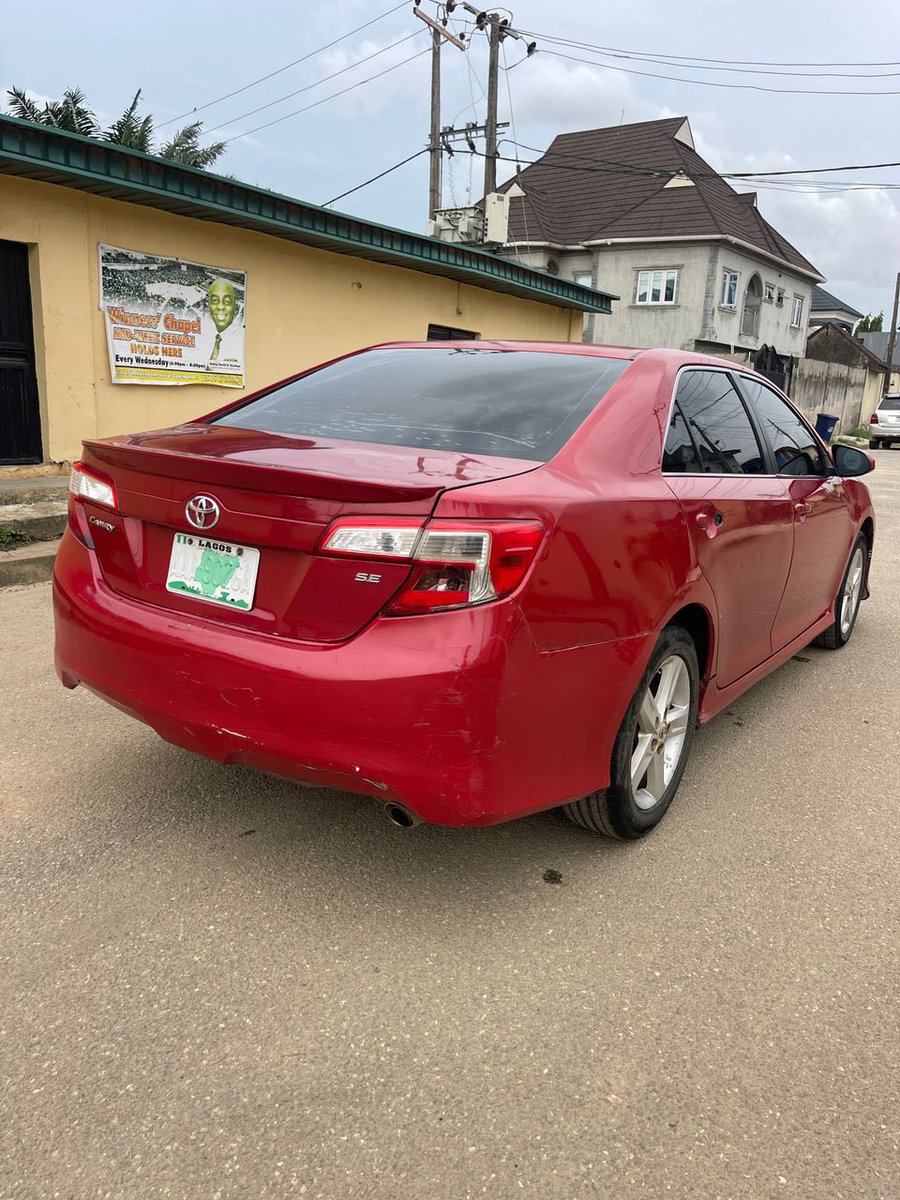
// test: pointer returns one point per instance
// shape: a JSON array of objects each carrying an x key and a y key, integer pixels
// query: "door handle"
[
  {"x": 703, "y": 519},
  {"x": 802, "y": 509}
]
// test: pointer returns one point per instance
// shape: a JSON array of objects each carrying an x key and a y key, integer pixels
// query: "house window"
[
  {"x": 584, "y": 278},
  {"x": 796, "y": 312},
  {"x": 446, "y": 333},
  {"x": 769, "y": 293},
  {"x": 659, "y": 286},
  {"x": 779, "y": 297},
  {"x": 729, "y": 289}
]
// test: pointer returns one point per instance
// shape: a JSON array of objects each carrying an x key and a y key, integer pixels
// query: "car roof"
[{"x": 653, "y": 354}]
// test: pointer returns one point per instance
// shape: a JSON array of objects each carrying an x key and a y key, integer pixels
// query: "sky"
[{"x": 185, "y": 57}]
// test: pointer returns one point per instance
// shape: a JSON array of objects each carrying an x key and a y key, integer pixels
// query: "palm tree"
[
  {"x": 130, "y": 129},
  {"x": 185, "y": 147},
  {"x": 70, "y": 113}
]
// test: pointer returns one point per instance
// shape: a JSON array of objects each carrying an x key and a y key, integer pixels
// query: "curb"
[{"x": 29, "y": 564}]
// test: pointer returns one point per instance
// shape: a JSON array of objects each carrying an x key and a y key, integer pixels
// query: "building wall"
[
  {"x": 303, "y": 306},
  {"x": 774, "y": 320},
  {"x": 697, "y": 315},
  {"x": 674, "y": 325}
]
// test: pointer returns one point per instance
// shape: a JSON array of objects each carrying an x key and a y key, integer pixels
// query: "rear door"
[
  {"x": 739, "y": 516},
  {"x": 823, "y": 525}
]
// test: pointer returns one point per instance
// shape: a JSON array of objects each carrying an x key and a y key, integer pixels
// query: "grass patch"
[{"x": 11, "y": 539}]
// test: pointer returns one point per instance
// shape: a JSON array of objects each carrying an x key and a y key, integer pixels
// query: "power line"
[
  {"x": 709, "y": 64},
  {"x": 628, "y": 167},
  {"x": 749, "y": 87},
  {"x": 325, "y": 99},
  {"x": 360, "y": 186},
  {"x": 280, "y": 70},
  {"x": 617, "y": 170},
  {"x": 309, "y": 86}
]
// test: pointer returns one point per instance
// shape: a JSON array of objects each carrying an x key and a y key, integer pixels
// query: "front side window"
[
  {"x": 513, "y": 403},
  {"x": 796, "y": 450},
  {"x": 714, "y": 414},
  {"x": 729, "y": 289},
  {"x": 658, "y": 286},
  {"x": 796, "y": 312}
]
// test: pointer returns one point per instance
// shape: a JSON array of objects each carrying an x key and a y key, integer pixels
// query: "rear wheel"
[
  {"x": 652, "y": 746},
  {"x": 846, "y": 606},
  {"x": 873, "y": 443}
]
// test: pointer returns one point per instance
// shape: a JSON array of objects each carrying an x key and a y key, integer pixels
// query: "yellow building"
[{"x": 311, "y": 284}]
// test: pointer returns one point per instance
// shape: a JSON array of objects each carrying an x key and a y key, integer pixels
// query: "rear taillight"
[
  {"x": 873, "y": 420},
  {"x": 87, "y": 484},
  {"x": 453, "y": 565}
]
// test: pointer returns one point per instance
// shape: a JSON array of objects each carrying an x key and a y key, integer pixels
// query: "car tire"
[
  {"x": 644, "y": 777},
  {"x": 849, "y": 597},
  {"x": 873, "y": 443}
]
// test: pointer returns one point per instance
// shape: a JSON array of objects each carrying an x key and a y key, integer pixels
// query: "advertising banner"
[{"x": 171, "y": 322}]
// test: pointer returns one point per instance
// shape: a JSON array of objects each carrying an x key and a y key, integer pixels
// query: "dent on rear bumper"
[{"x": 455, "y": 715}]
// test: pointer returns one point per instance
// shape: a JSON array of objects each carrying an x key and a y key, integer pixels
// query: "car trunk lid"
[{"x": 275, "y": 496}]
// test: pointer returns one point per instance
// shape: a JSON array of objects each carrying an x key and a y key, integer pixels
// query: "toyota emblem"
[{"x": 202, "y": 512}]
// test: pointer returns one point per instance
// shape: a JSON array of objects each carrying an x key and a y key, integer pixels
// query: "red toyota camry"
[{"x": 472, "y": 579}]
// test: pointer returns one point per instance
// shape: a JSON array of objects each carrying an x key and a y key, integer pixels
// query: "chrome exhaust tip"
[{"x": 401, "y": 817}]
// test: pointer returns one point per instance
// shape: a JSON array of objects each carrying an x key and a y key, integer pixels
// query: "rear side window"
[
  {"x": 713, "y": 416},
  {"x": 889, "y": 404},
  {"x": 513, "y": 403},
  {"x": 794, "y": 447}
]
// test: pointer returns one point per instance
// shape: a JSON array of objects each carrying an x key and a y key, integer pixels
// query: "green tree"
[
  {"x": 130, "y": 129},
  {"x": 869, "y": 324}
]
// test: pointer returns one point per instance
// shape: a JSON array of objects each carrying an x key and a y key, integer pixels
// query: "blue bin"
[{"x": 825, "y": 425}]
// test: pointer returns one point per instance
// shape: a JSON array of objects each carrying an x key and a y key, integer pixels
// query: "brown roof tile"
[{"x": 611, "y": 183}]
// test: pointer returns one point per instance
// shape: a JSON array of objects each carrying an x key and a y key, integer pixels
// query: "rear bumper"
[
  {"x": 881, "y": 433},
  {"x": 455, "y": 715}
]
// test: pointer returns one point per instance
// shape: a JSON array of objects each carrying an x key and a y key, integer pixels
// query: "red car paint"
[{"x": 472, "y": 715}]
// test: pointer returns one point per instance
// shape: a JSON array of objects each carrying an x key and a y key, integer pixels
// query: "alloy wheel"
[
  {"x": 852, "y": 591},
  {"x": 661, "y": 732}
]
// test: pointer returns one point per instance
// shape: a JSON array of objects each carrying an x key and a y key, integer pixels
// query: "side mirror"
[{"x": 849, "y": 462}]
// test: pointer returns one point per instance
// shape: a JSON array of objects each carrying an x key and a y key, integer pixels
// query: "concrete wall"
[
  {"x": 822, "y": 387},
  {"x": 303, "y": 306}
]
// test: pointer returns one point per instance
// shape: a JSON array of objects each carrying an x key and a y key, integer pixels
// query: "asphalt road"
[{"x": 215, "y": 985}]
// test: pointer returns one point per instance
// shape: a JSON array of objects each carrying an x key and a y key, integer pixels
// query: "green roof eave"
[{"x": 69, "y": 160}]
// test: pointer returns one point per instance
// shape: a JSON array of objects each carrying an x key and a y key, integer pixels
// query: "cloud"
[
  {"x": 552, "y": 95},
  {"x": 848, "y": 235}
]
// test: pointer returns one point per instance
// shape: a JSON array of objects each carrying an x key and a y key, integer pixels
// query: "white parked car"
[{"x": 884, "y": 423}]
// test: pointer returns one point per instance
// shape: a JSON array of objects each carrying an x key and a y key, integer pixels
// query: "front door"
[
  {"x": 823, "y": 526},
  {"x": 740, "y": 518},
  {"x": 20, "y": 417}
]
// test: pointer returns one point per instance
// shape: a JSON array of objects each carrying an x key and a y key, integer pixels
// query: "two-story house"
[{"x": 635, "y": 210}]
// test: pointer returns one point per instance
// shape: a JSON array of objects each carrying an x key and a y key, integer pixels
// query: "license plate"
[{"x": 207, "y": 569}]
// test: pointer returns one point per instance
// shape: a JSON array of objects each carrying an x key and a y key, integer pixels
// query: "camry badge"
[{"x": 202, "y": 512}]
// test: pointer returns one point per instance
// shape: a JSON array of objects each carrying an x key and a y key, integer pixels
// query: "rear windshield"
[
  {"x": 513, "y": 403},
  {"x": 889, "y": 404}
]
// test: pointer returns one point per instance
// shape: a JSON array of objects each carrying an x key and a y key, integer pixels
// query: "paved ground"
[{"x": 212, "y": 985}]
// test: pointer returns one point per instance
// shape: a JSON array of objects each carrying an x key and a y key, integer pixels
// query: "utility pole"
[
  {"x": 435, "y": 150},
  {"x": 439, "y": 34},
  {"x": 892, "y": 336},
  {"x": 493, "y": 84}
]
